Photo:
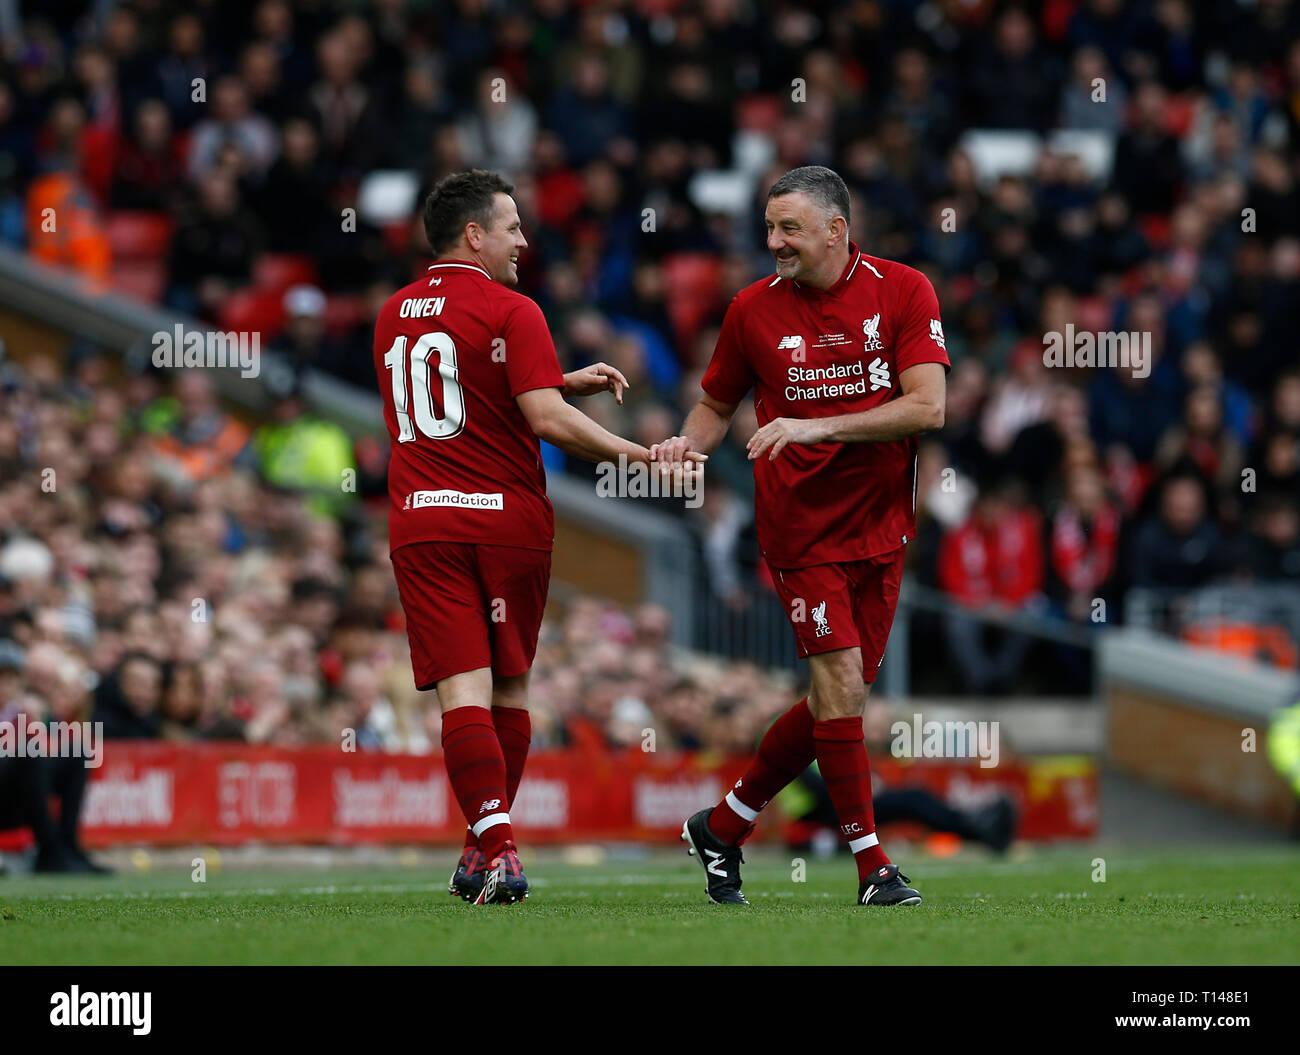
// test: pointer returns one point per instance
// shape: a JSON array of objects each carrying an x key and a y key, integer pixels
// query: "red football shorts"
[
  {"x": 469, "y": 606},
  {"x": 833, "y": 606}
]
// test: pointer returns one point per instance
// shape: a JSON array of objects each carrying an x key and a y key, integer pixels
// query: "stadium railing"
[
  {"x": 760, "y": 631},
  {"x": 1257, "y": 619}
]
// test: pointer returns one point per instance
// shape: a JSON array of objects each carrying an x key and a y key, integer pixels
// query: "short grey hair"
[{"x": 824, "y": 186}]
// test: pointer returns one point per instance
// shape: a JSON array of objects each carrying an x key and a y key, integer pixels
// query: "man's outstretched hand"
[
  {"x": 675, "y": 451},
  {"x": 681, "y": 468},
  {"x": 599, "y": 377},
  {"x": 780, "y": 432}
]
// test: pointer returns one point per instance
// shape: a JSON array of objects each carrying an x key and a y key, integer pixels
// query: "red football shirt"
[
  {"x": 452, "y": 351},
  {"x": 811, "y": 353}
]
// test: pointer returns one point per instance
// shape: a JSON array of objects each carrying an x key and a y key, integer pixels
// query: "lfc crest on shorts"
[
  {"x": 871, "y": 329},
  {"x": 819, "y": 617}
]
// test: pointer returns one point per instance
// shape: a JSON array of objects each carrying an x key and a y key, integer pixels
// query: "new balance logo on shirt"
[{"x": 789, "y": 342}]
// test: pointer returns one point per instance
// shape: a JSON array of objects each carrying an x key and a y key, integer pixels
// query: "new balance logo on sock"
[
  {"x": 490, "y": 804},
  {"x": 712, "y": 867}
]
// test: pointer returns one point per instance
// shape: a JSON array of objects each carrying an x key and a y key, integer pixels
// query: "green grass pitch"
[{"x": 1156, "y": 907}]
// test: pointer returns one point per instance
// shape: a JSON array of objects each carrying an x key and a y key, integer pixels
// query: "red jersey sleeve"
[
  {"x": 529, "y": 352},
  {"x": 729, "y": 377},
  {"x": 920, "y": 334}
]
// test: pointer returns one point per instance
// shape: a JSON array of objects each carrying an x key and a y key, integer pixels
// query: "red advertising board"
[{"x": 226, "y": 794}]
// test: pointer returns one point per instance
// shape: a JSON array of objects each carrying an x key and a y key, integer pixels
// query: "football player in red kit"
[
  {"x": 845, "y": 355},
  {"x": 470, "y": 380}
]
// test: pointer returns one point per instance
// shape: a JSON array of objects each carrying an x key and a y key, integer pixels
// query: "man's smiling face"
[
  {"x": 798, "y": 233},
  {"x": 503, "y": 240}
]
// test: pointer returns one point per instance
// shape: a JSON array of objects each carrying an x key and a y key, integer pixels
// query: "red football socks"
[
  {"x": 477, "y": 769},
  {"x": 785, "y": 751},
  {"x": 842, "y": 759},
  {"x": 514, "y": 733}
]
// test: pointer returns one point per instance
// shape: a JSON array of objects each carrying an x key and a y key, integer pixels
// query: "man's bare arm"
[
  {"x": 705, "y": 427},
  {"x": 558, "y": 423},
  {"x": 920, "y": 408}
]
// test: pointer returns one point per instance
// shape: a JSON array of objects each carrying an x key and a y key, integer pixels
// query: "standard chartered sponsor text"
[{"x": 799, "y": 376}]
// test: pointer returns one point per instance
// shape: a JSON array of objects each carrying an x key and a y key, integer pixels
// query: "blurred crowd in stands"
[
  {"x": 172, "y": 595},
  {"x": 212, "y": 156}
]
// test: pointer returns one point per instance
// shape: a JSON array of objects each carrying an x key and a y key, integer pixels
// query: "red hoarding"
[{"x": 226, "y": 794}]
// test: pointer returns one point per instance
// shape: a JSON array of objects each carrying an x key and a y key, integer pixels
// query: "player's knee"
[
  {"x": 510, "y": 692},
  {"x": 838, "y": 687},
  {"x": 848, "y": 703}
]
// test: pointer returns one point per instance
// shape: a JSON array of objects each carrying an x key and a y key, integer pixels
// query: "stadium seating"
[
  {"x": 139, "y": 242},
  {"x": 692, "y": 291}
]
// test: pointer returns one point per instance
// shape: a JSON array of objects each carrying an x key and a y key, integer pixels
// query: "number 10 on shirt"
[{"x": 452, "y": 422}]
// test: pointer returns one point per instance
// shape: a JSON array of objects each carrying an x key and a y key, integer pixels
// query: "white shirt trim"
[
  {"x": 873, "y": 270},
  {"x": 471, "y": 267}
]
